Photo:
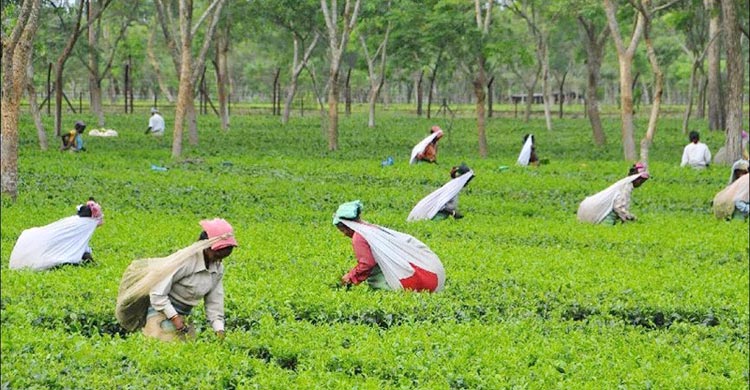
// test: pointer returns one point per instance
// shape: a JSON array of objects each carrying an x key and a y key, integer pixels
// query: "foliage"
[{"x": 533, "y": 298}]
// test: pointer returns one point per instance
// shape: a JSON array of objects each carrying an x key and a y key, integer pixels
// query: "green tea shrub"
[{"x": 533, "y": 298}]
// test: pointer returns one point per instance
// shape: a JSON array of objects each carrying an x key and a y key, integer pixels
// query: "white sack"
[
  {"x": 103, "y": 133},
  {"x": 596, "y": 207},
  {"x": 421, "y": 145},
  {"x": 393, "y": 251},
  {"x": 432, "y": 203},
  {"x": 61, "y": 242},
  {"x": 525, "y": 156},
  {"x": 723, "y": 205}
]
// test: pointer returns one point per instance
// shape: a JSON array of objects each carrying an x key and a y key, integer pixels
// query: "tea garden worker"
[
  {"x": 387, "y": 259},
  {"x": 613, "y": 204},
  {"x": 158, "y": 294},
  {"x": 62, "y": 242},
  {"x": 426, "y": 150},
  {"x": 528, "y": 152},
  {"x": 696, "y": 153},
  {"x": 443, "y": 202},
  {"x": 733, "y": 202},
  {"x": 73, "y": 140},
  {"x": 155, "y": 123}
]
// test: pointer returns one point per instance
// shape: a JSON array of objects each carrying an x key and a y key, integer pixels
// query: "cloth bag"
[
  {"x": 394, "y": 251},
  {"x": 432, "y": 203},
  {"x": 723, "y": 205},
  {"x": 419, "y": 148},
  {"x": 596, "y": 207},
  {"x": 61, "y": 242},
  {"x": 142, "y": 275}
]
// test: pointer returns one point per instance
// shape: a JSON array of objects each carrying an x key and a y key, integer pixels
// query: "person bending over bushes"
[
  {"x": 613, "y": 204},
  {"x": 159, "y": 294},
  {"x": 387, "y": 259}
]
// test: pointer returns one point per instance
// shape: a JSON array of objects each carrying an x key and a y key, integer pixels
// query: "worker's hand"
[
  {"x": 345, "y": 280},
  {"x": 178, "y": 322},
  {"x": 220, "y": 335}
]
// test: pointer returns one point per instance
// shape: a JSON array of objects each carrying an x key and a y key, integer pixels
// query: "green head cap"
[{"x": 349, "y": 210}]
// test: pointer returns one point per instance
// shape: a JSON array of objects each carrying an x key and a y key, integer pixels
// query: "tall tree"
[
  {"x": 539, "y": 25},
  {"x": 483, "y": 15},
  {"x": 189, "y": 66},
  {"x": 59, "y": 67},
  {"x": 95, "y": 51},
  {"x": 338, "y": 30},
  {"x": 595, "y": 32},
  {"x": 691, "y": 21},
  {"x": 153, "y": 60},
  {"x": 647, "y": 12},
  {"x": 735, "y": 78},
  {"x": 16, "y": 55},
  {"x": 625, "y": 58},
  {"x": 299, "y": 21},
  {"x": 34, "y": 108},
  {"x": 372, "y": 25},
  {"x": 714, "y": 95},
  {"x": 221, "y": 63}
]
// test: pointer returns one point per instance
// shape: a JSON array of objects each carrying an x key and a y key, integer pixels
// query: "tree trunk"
[
  {"x": 625, "y": 60},
  {"x": 376, "y": 77},
  {"x": 95, "y": 87},
  {"x": 647, "y": 141},
  {"x": 561, "y": 94},
  {"x": 626, "y": 107},
  {"x": 433, "y": 76},
  {"x": 297, "y": 67},
  {"x": 530, "y": 95},
  {"x": 336, "y": 48},
  {"x": 419, "y": 93},
  {"x": 547, "y": 98},
  {"x": 700, "y": 112},
  {"x": 60, "y": 65},
  {"x": 275, "y": 90},
  {"x": 185, "y": 92},
  {"x": 157, "y": 69},
  {"x": 735, "y": 80},
  {"x": 333, "y": 110},
  {"x": 348, "y": 92},
  {"x": 16, "y": 56},
  {"x": 479, "y": 82},
  {"x": 689, "y": 107},
  {"x": 34, "y": 108},
  {"x": 714, "y": 95},
  {"x": 490, "y": 96},
  {"x": 222, "y": 79}
]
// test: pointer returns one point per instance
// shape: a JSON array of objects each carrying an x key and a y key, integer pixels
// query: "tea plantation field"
[{"x": 533, "y": 298}]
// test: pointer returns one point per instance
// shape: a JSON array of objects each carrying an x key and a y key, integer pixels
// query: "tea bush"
[{"x": 533, "y": 299}]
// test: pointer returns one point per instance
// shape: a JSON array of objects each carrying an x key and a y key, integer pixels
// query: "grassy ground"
[{"x": 533, "y": 298}]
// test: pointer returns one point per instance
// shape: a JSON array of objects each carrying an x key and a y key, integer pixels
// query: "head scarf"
[
  {"x": 154, "y": 110},
  {"x": 641, "y": 168},
  {"x": 219, "y": 227},
  {"x": 96, "y": 212},
  {"x": 348, "y": 211},
  {"x": 741, "y": 165}
]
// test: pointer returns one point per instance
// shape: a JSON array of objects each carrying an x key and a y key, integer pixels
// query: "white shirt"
[
  {"x": 696, "y": 155},
  {"x": 156, "y": 123}
]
